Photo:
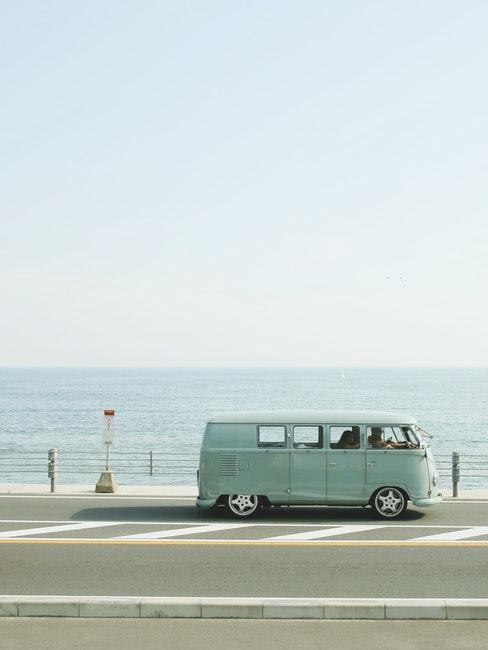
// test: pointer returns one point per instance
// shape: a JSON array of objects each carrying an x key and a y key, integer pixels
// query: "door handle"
[
  {"x": 372, "y": 464},
  {"x": 332, "y": 463}
]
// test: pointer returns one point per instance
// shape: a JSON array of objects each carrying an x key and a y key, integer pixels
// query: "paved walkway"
[{"x": 123, "y": 490}]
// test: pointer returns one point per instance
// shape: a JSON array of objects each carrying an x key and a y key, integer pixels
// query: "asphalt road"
[{"x": 166, "y": 547}]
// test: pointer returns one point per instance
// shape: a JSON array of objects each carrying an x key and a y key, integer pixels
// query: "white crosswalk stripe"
[
  {"x": 177, "y": 532},
  {"x": 40, "y": 530},
  {"x": 259, "y": 531},
  {"x": 324, "y": 532},
  {"x": 465, "y": 533}
]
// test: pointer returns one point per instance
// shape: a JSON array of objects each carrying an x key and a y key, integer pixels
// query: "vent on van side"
[{"x": 229, "y": 465}]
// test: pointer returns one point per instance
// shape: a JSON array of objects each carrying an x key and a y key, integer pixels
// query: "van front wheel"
[
  {"x": 242, "y": 505},
  {"x": 389, "y": 503}
]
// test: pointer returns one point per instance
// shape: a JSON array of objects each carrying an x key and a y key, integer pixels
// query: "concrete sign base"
[{"x": 107, "y": 483}]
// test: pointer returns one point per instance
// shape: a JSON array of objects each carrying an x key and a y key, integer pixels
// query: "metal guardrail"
[
  {"x": 456, "y": 465},
  {"x": 177, "y": 464},
  {"x": 150, "y": 463}
]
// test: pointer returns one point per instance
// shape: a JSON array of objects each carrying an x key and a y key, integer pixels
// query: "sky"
[{"x": 243, "y": 183}]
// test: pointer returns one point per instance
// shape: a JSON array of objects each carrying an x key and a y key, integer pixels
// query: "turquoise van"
[{"x": 337, "y": 458}]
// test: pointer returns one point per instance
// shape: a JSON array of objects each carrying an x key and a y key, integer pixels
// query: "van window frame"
[
  {"x": 392, "y": 427},
  {"x": 362, "y": 444},
  {"x": 320, "y": 427},
  {"x": 271, "y": 445}
]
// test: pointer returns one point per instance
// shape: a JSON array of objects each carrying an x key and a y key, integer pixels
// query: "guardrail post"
[
  {"x": 150, "y": 463},
  {"x": 456, "y": 472},
  {"x": 52, "y": 467}
]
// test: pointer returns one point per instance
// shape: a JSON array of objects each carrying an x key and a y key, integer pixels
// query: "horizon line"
[{"x": 244, "y": 367}]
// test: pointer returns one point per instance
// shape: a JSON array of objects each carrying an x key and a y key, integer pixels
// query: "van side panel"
[
  {"x": 307, "y": 476},
  {"x": 234, "y": 464},
  {"x": 399, "y": 468},
  {"x": 345, "y": 477}
]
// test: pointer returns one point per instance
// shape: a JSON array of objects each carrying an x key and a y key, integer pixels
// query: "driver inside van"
[{"x": 376, "y": 441}]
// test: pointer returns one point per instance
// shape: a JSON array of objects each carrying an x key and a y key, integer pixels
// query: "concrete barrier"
[{"x": 255, "y": 608}]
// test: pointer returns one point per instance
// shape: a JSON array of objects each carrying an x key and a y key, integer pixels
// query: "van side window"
[
  {"x": 307, "y": 437},
  {"x": 271, "y": 436},
  {"x": 344, "y": 437},
  {"x": 396, "y": 437}
]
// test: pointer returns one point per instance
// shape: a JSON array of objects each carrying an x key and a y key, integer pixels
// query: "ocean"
[{"x": 165, "y": 410}]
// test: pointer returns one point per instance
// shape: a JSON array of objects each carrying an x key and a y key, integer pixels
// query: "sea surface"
[{"x": 165, "y": 410}]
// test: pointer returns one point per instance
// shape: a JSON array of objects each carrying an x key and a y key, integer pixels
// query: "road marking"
[
  {"x": 36, "y": 521},
  {"x": 191, "y": 530},
  {"x": 473, "y": 531},
  {"x": 95, "y": 496},
  {"x": 324, "y": 532},
  {"x": 250, "y": 542},
  {"x": 54, "y": 529},
  {"x": 472, "y": 501}
]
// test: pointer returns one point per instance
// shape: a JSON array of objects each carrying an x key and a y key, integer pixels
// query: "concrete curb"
[{"x": 254, "y": 608}]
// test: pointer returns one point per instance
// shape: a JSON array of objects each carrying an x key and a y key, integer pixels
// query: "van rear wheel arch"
[{"x": 397, "y": 487}]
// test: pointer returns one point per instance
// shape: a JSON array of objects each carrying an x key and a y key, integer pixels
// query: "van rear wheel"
[
  {"x": 389, "y": 503},
  {"x": 242, "y": 505}
]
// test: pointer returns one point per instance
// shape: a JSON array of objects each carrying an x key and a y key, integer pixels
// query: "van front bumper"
[
  {"x": 431, "y": 501},
  {"x": 205, "y": 503}
]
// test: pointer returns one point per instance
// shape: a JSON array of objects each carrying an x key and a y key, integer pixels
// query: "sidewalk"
[
  {"x": 187, "y": 491},
  {"x": 170, "y": 491}
]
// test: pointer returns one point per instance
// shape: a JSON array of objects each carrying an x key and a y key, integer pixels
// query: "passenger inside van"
[{"x": 349, "y": 439}]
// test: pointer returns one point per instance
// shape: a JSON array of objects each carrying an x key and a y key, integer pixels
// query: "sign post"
[
  {"x": 107, "y": 481},
  {"x": 108, "y": 435}
]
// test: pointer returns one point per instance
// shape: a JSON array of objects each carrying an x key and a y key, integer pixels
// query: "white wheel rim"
[
  {"x": 389, "y": 502},
  {"x": 243, "y": 504}
]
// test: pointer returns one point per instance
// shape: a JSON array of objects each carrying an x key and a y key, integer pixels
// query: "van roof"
[{"x": 314, "y": 417}]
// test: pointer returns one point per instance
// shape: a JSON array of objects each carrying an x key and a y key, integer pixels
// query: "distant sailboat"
[{"x": 343, "y": 375}]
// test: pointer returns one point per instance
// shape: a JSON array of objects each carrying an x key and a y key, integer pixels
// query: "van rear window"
[
  {"x": 345, "y": 437},
  {"x": 307, "y": 437},
  {"x": 271, "y": 436}
]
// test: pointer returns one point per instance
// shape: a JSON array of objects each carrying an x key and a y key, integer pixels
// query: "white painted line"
[
  {"x": 262, "y": 541},
  {"x": 54, "y": 529},
  {"x": 324, "y": 532},
  {"x": 191, "y": 530},
  {"x": 474, "y": 531},
  {"x": 36, "y": 521},
  {"x": 472, "y": 501},
  {"x": 112, "y": 497}
]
